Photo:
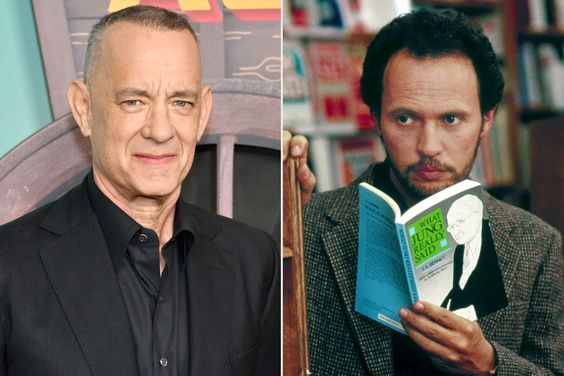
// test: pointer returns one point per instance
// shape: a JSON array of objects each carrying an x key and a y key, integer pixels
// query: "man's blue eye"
[{"x": 182, "y": 104}]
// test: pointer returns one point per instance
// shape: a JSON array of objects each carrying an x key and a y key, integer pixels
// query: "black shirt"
[{"x": 156, "y": 304}]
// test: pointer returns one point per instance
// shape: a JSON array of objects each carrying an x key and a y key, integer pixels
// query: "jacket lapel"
[
  {"x": 81, "y": 273},
  {"x": 508, "y": 257},
  {"x": 210, "y": 298},
  {"x": 341, "y": 246}
]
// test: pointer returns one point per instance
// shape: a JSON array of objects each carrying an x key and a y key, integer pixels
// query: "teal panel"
[{"x": 24, "y": 102}]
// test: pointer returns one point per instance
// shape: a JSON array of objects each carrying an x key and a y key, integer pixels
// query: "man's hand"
[
  {"x": 453, "y": 343},
  {"x": 297, "y": 147}
]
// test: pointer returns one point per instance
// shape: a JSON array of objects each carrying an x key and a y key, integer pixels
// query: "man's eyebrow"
[
  {"x": 132, "y": 91},
  {"x": 403, "y": 111},
  {"x": 185, "y": 93}
]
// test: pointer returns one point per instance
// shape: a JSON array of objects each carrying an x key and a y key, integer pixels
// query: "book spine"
[{"x": 407, "y": 263}]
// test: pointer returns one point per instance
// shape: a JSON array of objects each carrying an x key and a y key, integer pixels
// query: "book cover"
[
  {"x": 329, "y": 14},
  {"x": 439, "y": 251},
  {"x": 360, "y": 111},
  {"x": 297, "y": 104},
  {"x": 532, "y": 75},
  {"x": 299, "y": 12},
  {"x": 330, "y": 82},
  {"x": 354, "y": 155},
  {"x": 537, "y": 15},
  {"x": 552, "y": 72}
]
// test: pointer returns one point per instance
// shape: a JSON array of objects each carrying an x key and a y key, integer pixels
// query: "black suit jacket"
[{"x": 61, "y": 310}]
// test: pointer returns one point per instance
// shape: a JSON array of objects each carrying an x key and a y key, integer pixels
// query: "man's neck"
[
  {"x": 407, "y": 196},
  {"x": 156, "y": 214}
]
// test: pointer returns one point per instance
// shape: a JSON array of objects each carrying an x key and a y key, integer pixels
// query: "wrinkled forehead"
[
  {"x": 127, "y": 33},
  {"x": 127, "y": 47}
]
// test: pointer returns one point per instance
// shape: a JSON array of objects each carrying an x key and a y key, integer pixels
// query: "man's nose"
[
  {"x": 158, "y": 125},
  {"x": 429, "y": 141}
]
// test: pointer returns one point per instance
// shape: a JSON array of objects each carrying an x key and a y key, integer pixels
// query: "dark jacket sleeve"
[
  {"x": 268, "y": 362},
  {"x": 3, "y": 365}
]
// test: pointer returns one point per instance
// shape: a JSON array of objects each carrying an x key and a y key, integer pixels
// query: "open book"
[{"x": 439, "y": 251}]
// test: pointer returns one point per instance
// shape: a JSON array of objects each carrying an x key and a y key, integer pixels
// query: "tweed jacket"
[{"x": 528, "y": 334}]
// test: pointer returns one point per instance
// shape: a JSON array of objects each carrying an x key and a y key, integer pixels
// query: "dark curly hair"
[{"x": 431, "y": 33}]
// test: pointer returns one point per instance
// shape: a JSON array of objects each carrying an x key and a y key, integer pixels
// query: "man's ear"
[
  {"x": 205, "y": 110},
  {"x": 487, "y": 122},
  {"x": 79, "y": 101}
]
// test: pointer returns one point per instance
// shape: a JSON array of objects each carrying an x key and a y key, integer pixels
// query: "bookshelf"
[
  {"x": 503, "y": 161},
  {"x": 325, "y": 106}
]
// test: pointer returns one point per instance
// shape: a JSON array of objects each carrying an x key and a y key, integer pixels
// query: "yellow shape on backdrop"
[
  {"x": 252, "y": 4},
  {"x": 116, "y": 5},
  {"x": 194, "y": 5}
]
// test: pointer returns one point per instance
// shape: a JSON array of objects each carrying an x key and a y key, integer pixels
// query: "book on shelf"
[
  {"x": 493, "y": 165},
  {"x": 540, "y": 15},
  {"x": 538, "y": 20},
  {"x": 298, "y": 13},
  {"x": 530, "y": 76},
  {"x": 541, "y": 73},
  {"x": 552, "y": 73},
  {"x": 354, "y": 154},
  {"x": 371, "y": 16},
  {"x": 297, "y": 104},
  {"x": 360, "y": 111},
  {"x": 314, "y": 14},
  {"x": 331, "y": 13},
  {"x": 559, "y": 15},
  {"x": 439, "y": 251},
  {"x": 330, "y": 85},
  {"x": 500, "y": 145},
  {"x": 481, "y": 169},
  {"x": 492, "y": 25},
  {"x": 359, "y": 15}
]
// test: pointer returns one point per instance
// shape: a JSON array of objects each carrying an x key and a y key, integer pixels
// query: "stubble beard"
[{"x": 420, "y": 192}]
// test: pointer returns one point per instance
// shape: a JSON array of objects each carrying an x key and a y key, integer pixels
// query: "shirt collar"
[{"x": 118, "y": 227}]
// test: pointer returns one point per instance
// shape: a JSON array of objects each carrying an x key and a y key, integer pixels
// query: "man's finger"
[
  {"x": 299, "y": 146},
  {"x": 287, "y": 137},
  {"x": 307, "y": 182},
  {"x": 423, "y": 326},
  {"x": 440, "y": 315}
]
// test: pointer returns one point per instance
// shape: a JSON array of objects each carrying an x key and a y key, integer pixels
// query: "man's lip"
[
  {"x": 428, "y": 169},
  {"x": 428, "y": 172},
  {"x": 154, "y": 158}
]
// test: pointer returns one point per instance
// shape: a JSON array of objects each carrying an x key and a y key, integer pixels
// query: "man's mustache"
[{"x": 430, "y": 162}]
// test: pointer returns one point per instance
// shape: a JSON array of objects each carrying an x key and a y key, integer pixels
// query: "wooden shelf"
[
  {"x": 328, "y": 33},
  {"x": 529, "y": 114},
  {"x": 538, "y": 36},
  {"x": 333, "y": 130},
  {"x": 471, "y": 8}
]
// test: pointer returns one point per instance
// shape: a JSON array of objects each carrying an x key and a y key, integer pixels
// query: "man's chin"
[{"x": 424, "y": 189}]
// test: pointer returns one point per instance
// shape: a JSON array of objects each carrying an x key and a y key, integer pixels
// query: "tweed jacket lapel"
[
  {"x": 341, "y": 246},
  {"x": 80, "y": 270},
  {"x": 507, "y": 254}
]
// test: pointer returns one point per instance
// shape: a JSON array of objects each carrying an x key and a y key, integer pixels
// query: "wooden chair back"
[{"x": 296, "y": 356}]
